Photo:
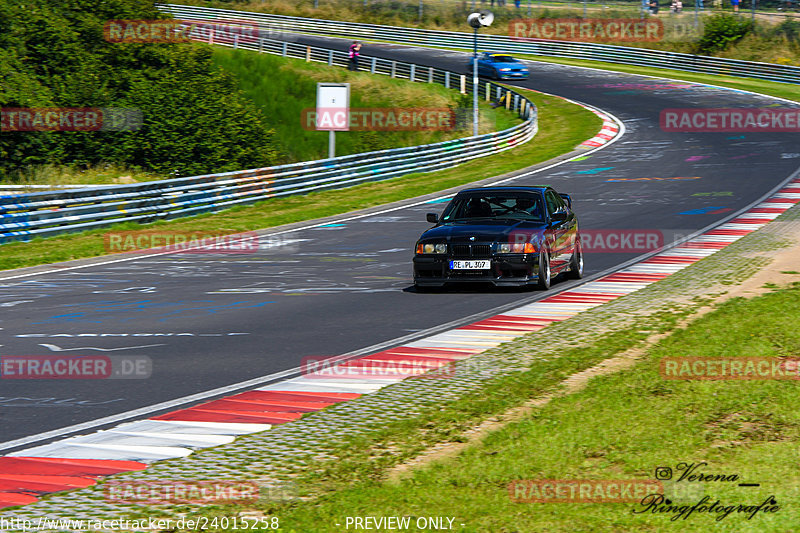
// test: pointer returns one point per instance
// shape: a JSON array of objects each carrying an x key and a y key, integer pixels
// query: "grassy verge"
[
  {"x": 282, "y": 88},
  {"x": 622, "y": 426},
  {"x": 561, "y": 127}
]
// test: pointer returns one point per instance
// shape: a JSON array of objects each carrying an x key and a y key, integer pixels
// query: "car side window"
[{"x": 555, "y": 204}]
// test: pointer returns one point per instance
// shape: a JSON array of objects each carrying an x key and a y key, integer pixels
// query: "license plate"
[{"x": 483, "y": 264}]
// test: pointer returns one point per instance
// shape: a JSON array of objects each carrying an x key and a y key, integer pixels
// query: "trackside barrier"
[
  {"x": 43, "y": 214},
  {"x": 443, "y": 39}
]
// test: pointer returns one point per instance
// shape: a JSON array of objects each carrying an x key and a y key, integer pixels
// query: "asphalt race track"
[{"x": 212, "y": 320}]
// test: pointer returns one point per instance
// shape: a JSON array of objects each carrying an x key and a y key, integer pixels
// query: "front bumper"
[
  {"x": 505, "y": 270},
  {"x": 513, "y": 75}
]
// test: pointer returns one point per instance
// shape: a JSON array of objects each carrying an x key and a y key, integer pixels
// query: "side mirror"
[
  {"x": 433, "y": 218},
  {"x": 559, "y": 216}
]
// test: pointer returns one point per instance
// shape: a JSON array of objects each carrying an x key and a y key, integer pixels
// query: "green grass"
[
  {"x": 621, "y": 426},
  {"x": 561, "y": 127},
  {"x": 283, "y": 87}
]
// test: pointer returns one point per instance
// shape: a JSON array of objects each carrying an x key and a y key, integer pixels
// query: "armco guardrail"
[
  {"x": 44, "y": 214},
  {"x": 442, "y": 39}
]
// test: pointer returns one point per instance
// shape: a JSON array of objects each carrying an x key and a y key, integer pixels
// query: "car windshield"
[
  {"x": 504, "y": 59},
  {"x": 513, "y": 206}
]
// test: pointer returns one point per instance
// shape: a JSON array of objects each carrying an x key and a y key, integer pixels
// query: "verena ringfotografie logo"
[
  {"x": 743, "y": 120},
  {"x": 587, "y": 30},
  {"x": 399, "y": 367},
  {"x": 181, "y": 492},
  {"x": 70, "y": 119},
  {"x": 582, "y": 490},
  {"x": 730, "y": 368},
  {"x": 181, "y": 241},
  {"x": 75, "y": 367},
  {"x": 380, "y": 119}
]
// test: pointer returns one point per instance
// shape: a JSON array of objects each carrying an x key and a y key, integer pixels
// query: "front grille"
[
  {"x": 461, "y": 250},
  {"x": 481, "y": 250},
  {"x": 472, "y": 250}
]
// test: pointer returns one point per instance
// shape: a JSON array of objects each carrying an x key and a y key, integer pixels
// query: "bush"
[
  {"x": 721, "y": 31},
  {"x": 195, "y": 118}
]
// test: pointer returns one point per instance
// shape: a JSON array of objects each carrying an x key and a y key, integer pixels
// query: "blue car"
[{"x": 499, "y": 67}]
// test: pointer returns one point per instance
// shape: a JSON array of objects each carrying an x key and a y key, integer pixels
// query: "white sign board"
[{"x": 333, "y": 105}]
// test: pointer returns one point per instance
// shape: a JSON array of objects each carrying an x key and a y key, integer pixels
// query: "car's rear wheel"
[
  {"x": 543, "y": 281},
  {"x": 576, "y": 262}
]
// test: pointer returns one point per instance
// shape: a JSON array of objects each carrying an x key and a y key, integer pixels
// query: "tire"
[
  {"x": 576, "y": 262},
  {"x": 544, "y": 278}
]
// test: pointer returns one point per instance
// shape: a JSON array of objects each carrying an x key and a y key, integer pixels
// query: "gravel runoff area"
[{"x": 276, "y": 457}]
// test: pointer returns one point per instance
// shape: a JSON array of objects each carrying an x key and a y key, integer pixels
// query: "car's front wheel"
[
  {"x": 576, "y": 262},
  {"x": 543, "y": 281}
]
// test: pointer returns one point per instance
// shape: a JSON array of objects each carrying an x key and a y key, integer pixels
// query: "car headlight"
[
  {"x": 430, "y": 248},
  {"x": 504, "y": 69},
  {"x": 517, "y": 248}
]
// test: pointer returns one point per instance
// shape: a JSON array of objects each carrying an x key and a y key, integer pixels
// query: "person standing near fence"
[{"x": 355, "y": 48}]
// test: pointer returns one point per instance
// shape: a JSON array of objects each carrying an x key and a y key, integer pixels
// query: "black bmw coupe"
[{"x": 500, "y": 235}]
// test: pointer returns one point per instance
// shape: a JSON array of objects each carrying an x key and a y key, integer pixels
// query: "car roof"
[{"x": 483, "y": 190}]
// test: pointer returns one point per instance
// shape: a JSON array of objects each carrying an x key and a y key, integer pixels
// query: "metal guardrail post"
[
  {"x": 447, "y": 79},
  {"x": 374, "y": 65},
  {"x": 211, "y": 36},
  {"x": 463, "y": 84},
  {"x": 430, "y": 75},
  {"x": 394, "y": 67},
  {"x": 284, "y": 49},
  {"x": 411, "y": 74},
  {"x": 330, "y": 58},
  {"x": 308, "y": 54},
  {"x": 488, "y": 91},
  {"x": 235, "y": 42}
]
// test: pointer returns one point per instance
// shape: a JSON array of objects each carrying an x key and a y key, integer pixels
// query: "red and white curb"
[{"x": 609, "y": 130}]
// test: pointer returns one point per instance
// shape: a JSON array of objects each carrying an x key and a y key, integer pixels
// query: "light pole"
[{"x": 477, "y": 20}]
